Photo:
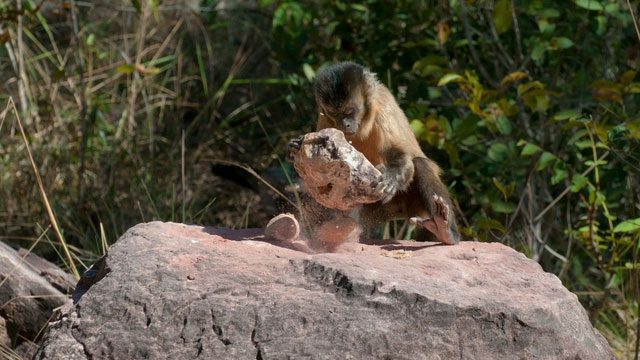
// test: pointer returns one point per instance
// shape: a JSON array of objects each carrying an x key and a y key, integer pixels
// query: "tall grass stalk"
[{"x": 43, "y": 193}]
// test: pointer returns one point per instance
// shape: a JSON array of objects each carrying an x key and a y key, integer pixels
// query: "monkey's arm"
[{"x": 397, "y": 171}]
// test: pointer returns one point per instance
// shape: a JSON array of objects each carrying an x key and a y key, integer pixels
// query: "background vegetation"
[{"x": 119, "y": 112}]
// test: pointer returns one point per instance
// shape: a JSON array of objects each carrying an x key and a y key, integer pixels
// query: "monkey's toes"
[
  {"x": 441, "y": 208},
  {"x": 429, "y": 224}
]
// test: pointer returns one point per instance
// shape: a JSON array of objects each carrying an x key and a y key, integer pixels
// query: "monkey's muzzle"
[{"x": 349, "y": 126}]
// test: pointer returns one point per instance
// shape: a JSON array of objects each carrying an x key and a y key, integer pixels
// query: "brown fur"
[{"x": 382, "y": 133}]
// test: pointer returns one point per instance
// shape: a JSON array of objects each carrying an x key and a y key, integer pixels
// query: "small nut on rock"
[{"x": 283, "y": 227}]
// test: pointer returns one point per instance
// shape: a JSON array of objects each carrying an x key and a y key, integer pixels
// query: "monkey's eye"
[{"x": 349, "y": 112}]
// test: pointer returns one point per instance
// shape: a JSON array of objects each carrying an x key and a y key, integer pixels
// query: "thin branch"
[
  {"x": 566, "y": 191},
  {"x": 472, "y": 49},
  {"x": 505, "y": 59},
  {"x": 516, "y": 30},
  {"x": 635, "y": 24}
]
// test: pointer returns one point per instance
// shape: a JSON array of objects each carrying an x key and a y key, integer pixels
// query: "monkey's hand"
[
  {"x": 438, "y": 224},
  {"x": 389, "y": 184}
]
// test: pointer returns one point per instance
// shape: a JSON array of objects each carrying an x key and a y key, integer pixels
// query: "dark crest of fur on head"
[{"x": 333, "y": 85}]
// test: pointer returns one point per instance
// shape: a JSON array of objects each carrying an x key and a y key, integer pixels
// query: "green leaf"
[
  {"x": 633, "y": 88},
  {"x": 506, "y": 190},
  {"x": 504, "y": 125},
  {"x": 566, "y": 114},
  {"x": 559, "y": 173},
  {"x": 418, "y": 128},
  {"x": 91, "y": 39},
  {"x": 611, "y": 8},
  {"x": 498, "y": 152},
  {"x": 308, "y": 71},
  {"x": 578, "y": 182},
  {"x": 470, "y": 140},
  {"x": 125, "y": 69},
  {"x": 583, "y": 144},
  {"x": 534, "y": 95},
  {"x": 630, "y": 225},
  {"x": 502, "y": 18},
  {"x": 513, "y": 77},
  {"x": 545, "y": 26},
  {"x": 452, "y": 77},
  {"x": 589, "y": 4},
  {"x": 602, "y": 25},
  {"x": 488, "y": 223},
  {"x": 503, "y": 207},
  {"x": 597, "y": 163},
  {"x": 530, "y": 149},
  {"x": 563, "y": 42},
  {"x": 549, "y": 13},
  {"x": 545, "y": 160},
  {"x": 452, "y": 151},
  {"x": 538, "y": 51}
]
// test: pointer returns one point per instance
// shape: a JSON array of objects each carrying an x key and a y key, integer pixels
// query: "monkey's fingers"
[
  {"x": 428, "y": 224},
  {"x": 389, "y": 192},
  {"x": 418, "y": 221},
  {"x": 386, "y": 188}
]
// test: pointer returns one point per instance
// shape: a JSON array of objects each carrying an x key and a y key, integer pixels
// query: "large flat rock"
[{"x": 182, "y": 292}]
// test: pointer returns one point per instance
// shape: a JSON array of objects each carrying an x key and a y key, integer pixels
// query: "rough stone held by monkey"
[{"x": 351, "y": 99}]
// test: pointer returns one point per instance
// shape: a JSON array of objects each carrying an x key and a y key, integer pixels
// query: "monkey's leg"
[
  {"x": 435, "y": 199},
  {"x": 438, "y": 224}
]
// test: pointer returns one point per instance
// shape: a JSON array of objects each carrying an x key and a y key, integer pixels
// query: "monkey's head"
[{"x": 341, "y": 92}]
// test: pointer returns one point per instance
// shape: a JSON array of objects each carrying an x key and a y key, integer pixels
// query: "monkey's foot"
[
  {"x": 438, "y": 223},
  {"x": 283, "y": 227}
]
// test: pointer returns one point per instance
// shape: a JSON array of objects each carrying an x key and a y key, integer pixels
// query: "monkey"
[{"x": 350, "y": 98}]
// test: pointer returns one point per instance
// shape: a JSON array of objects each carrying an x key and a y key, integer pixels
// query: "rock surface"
[
  {"x": 335, "y": 174},
  {"x": 55, "y": 276},
  {"x": 27, "y": 299},
  {"x": 183, "y": 292}
]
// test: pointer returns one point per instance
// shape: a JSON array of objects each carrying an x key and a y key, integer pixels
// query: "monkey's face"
[
  {"x": 339, "y": 92},
  {"x": 346, "y": 118}
]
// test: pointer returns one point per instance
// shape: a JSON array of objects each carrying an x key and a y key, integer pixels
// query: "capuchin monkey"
[{"x": 351, "y": 99}]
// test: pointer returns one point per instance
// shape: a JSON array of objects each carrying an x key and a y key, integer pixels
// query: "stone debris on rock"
[
  {"x": 251, "y": 299},
  {"x": 327, "y": 237}
]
